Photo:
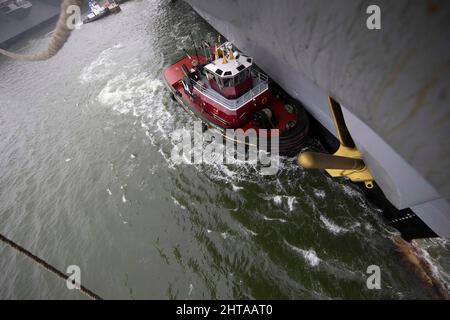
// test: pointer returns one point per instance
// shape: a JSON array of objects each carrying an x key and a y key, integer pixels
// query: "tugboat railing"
[{"x": 261, "y": 86}]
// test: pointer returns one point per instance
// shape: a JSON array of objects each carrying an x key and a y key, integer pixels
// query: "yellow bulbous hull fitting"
[{"x": 347, "y": 161}]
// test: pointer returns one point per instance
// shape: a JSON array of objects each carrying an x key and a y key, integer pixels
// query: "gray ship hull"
[{"x": 392, "y": 83}]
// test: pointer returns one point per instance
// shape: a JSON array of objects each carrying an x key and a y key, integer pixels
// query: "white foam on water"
[
  {"x": 277, "y": 200},
  {"x": 171, "y": 164},
  {"x": 141, "y": 95},
  {"x": 290, "y": 202},
  {"x": 229, "y": 173},
  {"x": 350, "y": 191},
  {"x": 356, "y": 225},
  {"x": 248, "y": 231},
  {"x": 101, "y": 67},
  {"x": 109, "y": 191},
  {"x": 274, "y": 219},
  {"x": 175, "y": 201},
  {"x": 122, "y": 218},
  {"x": 319, "y": 193},
  {"x": 434, "y": 267},
  {"x": 145, "y": 126},
  {"x": 309, "y": 255},
  {"x": 233, "y": 171},
  {"x": 434, "y": 242},
  {"x": 437, "y": 269},
  {"x": 332, "y": 227},
  {"x": 67, "y": 160},
  {"x": 359, "y": 196},
  {"x": 236, "y": 188},
  {"x": 181, "y": 42},
  {"x": 129, "y": 94}
]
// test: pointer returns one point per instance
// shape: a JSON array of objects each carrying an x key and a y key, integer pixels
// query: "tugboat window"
[
  {"x": 219, "y": 81},
  {"x": 228, "y": 82},
  {"x": 240, "y": 77},
  {"x": 209, "y": 75}
]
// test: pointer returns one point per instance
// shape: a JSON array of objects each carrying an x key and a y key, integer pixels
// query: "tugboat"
[
  {"x": 96, "y": 12},
  {"x": 99, "y": 11},
  {"x": 225, "y": 90}
]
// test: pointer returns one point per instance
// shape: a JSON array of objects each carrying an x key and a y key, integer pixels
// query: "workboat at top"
[
  {"x": 225, "y": 90},
  {"x": 97, "y": 10}
]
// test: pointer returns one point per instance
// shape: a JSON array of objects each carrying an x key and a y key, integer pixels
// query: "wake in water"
[
  {"x": 101, "y": 67},
  {"x": 309, "y": 255}
]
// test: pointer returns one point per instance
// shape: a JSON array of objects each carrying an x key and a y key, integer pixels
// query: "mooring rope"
[
  {"x": 47, "y": 266},
  {"x": 59, "y": 38}
]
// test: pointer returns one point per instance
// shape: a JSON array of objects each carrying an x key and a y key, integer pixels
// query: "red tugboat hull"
[{"x": 292, "y": 121}]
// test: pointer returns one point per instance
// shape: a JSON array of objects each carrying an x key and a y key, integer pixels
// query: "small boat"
[
  {"x": 112, "y": 6},
  {"x": 226, "y": 90},
  {"x": 96, "y": 12}
]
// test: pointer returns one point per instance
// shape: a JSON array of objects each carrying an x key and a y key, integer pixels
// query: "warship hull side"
[{"x": 392, "y": 84}]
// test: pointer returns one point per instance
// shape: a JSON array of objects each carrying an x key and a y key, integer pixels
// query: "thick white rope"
[{"x": 59, "y": 38}]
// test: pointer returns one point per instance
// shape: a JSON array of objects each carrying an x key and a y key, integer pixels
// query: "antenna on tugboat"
[
  {"x": 231, "y": 53},
  {"x": 193, "y": 42},
  {"x": 207, "y": 48},
  {"x": 205, "y": 52},
  {"x": 187, "y": 54}
]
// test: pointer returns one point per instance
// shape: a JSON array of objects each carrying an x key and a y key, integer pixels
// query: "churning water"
[{"x": 86, "y": 178}]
